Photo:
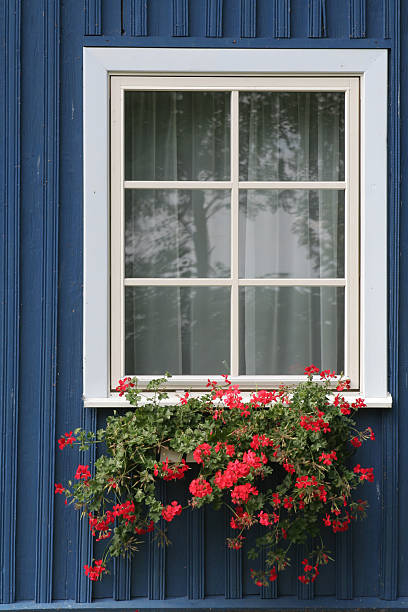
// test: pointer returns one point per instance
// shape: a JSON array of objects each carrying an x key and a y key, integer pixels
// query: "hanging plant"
[{"x": 306, "y": 433}]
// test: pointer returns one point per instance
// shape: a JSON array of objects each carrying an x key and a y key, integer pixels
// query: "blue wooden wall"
[{"x": 43, "y": 546}]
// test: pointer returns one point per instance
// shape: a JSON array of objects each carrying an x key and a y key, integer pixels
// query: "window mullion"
[{"x": 234, "y": 232}]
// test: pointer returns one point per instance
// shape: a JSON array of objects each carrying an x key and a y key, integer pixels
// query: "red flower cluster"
[
  {"x": 265, "y": 520},
  {"x": 101, "y": 525},
  {"x": 65, "y": 440},
  {"x": 124, "y": 385},
  {"x": 289, "y": 467},
  {"x": 276, "y": 500},
  {"x": 365, "y": 473},
  {"x": 202, "y": 449},
  {"x": 253, "y": 460},
  {"x": 311, "y": 370},
  {"x": 82, "y": 472},
  {"x": 200, "y": 487},
  {"x": 242, "y": 492},
  {"x": 232, "y": 398},
  {"x": 242, "y": 519},
  {"x": 339, "y": 526},
  {"x": 310, "y": 572},
  {"x": 302, "y": 482},
  {"x": 125, "y": 511},
  {"x": 174, "y": 473},
  {"x": 260, "y": 440},
  {"x": 235, "y": 543},
  {"x": 370, "y": 431},
  {"x": 143, "y": 530},
  {"x": 326, "y": 375},
  {"x": 262, "y": 398},
  {"x": 170, "y": 511},
  {"x": 328, "y": 458},
  {"x": 94, "y": 572},
  {"x": 59, "y": 488},
  {"x": 229, "y": 448},
  {"x": 311, "y": 424},
  {"x": 356, "y": 442},
  {"x": 234, "y": 471},
  {"x": 288, "y": 503}
]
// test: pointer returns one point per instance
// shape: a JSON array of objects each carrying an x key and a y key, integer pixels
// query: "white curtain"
[
  {"x": 186, "y": 233},
  {"x": 177, "y": 233},
  {"x": 291, "y": 233}
]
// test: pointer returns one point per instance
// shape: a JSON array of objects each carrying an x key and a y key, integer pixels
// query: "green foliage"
[{"x": 305, "y": 434}]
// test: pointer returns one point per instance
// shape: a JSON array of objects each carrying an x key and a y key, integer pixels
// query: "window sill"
[{"x": 114, "y": 401}]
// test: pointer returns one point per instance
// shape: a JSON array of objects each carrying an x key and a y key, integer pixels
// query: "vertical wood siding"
[
  {"x": 10, "y": 28},
  {"x": 44, "y": 546}
]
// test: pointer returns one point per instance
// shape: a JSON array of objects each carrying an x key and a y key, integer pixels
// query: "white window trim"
[{"x": 370, "y": 65}]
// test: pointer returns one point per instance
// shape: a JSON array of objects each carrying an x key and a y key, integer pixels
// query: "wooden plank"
[
  {"x": 180, "y": 17},
  {"x": 344, "y": 565},
  {"x": 93, "y": 17},
  {"x": 10, "y": 27},
  {"x": 317, "y": 19},
  {"x": 386, "y": 18},
  {"x": 357, "y": 18},
  {"x": 157, "y": 558},
  {"x": 248, "y": 18},
  {"x": 233, "y": 565},
  {"x": 138, "y": 18},
  {"x": 213, "y": 21},
  {"x": 195, "y": 554},
  {"x": 49, "y": 168},
  {"x": 393, "y": 422},
  {"x": 122, "y": 571},
  {"x": 282, "y": 19}
]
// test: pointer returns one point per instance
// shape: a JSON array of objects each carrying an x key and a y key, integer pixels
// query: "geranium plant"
[{"x": 305, "y": 434}]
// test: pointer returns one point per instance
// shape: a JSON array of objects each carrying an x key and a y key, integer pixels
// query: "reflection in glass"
[
  {"x": 177, "y": 135},
  {"x": 284, "y": 329},
  {"x": 291, "y": 136},
  {"x": 291, "y": 233},
  {"x": 181, "y": 330},
  {"x": 177, "y": 233}
]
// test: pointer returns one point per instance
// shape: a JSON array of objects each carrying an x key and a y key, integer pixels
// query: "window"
[
  {"x": 248, "y": 202},
  {"x": 234, "y": 231}
]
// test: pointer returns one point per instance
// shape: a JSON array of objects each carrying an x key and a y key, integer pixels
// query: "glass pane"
[
  {"x": 177, "y": 135},
  {"x": 291, "y": 136},
  {"x": 181, "y": 330},
  {"x": 291, "y": 233},
  {"x": 177, "y": 233},
  {"x": 284, "y": 329}
]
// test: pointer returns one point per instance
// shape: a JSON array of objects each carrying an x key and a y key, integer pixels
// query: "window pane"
[
  {"x": 177, "y": 135},
  {"x": 177, "y": 233},
  {"x": 291, "y": 136},
  {"x": 291, "y": 233},
  {"x": 284, "y": 329},
  {"x": 182, "y": 330}
]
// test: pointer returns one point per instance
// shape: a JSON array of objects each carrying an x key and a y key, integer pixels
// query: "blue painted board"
[{"x": 42, "y": 322}]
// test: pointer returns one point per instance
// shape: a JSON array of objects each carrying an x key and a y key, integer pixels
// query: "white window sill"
[{"x": 114, "y": 401}]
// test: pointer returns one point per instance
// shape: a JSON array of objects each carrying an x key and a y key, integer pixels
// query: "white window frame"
[{"x": 369, "y": 65}]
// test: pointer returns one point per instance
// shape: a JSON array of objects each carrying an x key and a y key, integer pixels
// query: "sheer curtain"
[
  {"x": 284, "y": 233},
  {"x": 177, "y": 233},
  {"x": 291, "y": 233}
]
